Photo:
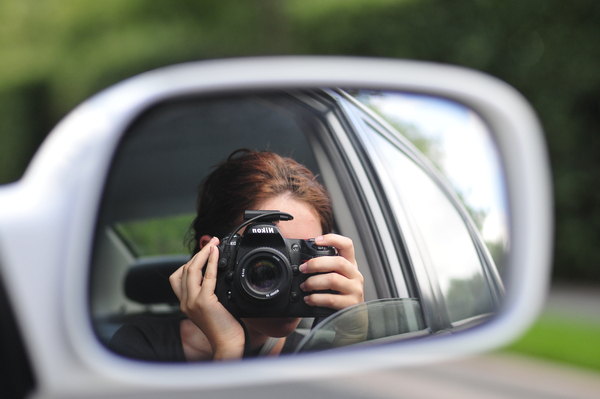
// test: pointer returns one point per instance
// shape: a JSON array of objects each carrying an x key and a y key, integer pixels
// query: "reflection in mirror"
[
  {"x": 378, "y": 321},
  {"x": 458, "y": 143},
  {"x": 422, "y": 226}
]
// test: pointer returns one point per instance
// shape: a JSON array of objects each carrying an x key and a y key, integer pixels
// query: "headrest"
[{"x": 147, "y": 281}]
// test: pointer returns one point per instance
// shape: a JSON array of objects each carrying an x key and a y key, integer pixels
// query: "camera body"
[{"x": 259, "y": 275}]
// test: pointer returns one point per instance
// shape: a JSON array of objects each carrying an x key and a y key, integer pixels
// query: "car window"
[
  {"x": 156, "y": 236},
  {"x": 378, "y": 321},
  {"x": 459, "y": 145},
  {"x": 149, "y": 199},
  {"x": 443, "y": 237}
]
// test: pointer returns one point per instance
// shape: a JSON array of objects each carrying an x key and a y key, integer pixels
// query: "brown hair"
[{"x": 246, "y": 179}]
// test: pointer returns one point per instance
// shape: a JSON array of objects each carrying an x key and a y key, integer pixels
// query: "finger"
[
  {"x": 193, "y": 271},
  {"x": 329, "y": 281},
  {"x": 210, "y": 275},
  {"x": 193, "y": 277},
  {"x": 175, "y": 281},
  {"x": 344, "y": 245},
  {"x": 327, "y": 264},
  {"x": 333, "y": 301},
  {"x": 184, "y": 291},
  {"x": 179, "y": 279}
]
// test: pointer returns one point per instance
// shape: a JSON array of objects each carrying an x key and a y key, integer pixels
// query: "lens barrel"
[{"x": 264, "y": 274}]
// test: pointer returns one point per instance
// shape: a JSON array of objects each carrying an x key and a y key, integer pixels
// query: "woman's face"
[{"x": 305, "y": 225}]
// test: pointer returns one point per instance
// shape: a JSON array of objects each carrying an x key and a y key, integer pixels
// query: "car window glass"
[
  {"x": 461, "y": 147},
  {"x": 374, "y": 321},
  {"x": 155, "y": 236},
  {"x": 447, "y": 242}
]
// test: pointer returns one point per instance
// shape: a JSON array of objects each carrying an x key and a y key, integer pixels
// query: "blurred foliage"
[
  {"x": 160, "y": 236},
  {"x": 499, "y": 251},
  {"x": 428, "y": 146},
  {"x": 468, "y": 298},
  {"x": 55, "y": 54}
]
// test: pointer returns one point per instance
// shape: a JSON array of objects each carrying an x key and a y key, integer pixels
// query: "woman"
[{"x": 247, "y": 180}]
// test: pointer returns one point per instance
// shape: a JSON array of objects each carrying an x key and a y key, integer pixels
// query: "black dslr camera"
[{"x": 258, "y": 273}]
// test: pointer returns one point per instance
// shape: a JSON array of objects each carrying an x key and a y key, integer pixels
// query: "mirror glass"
[
  {"x": 415, "y": 183},
  {"x": 458, "y": 143},
  {"x": 377, "y": 321}
]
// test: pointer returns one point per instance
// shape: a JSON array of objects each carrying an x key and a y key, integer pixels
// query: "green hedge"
[{"x": 53, "y": 55}]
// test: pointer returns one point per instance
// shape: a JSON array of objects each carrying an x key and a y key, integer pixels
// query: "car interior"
[
  {"x": 152, "y": 185},
  {"x": 149, "y": 204}
]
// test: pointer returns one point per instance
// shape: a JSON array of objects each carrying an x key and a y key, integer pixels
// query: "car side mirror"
[{"x": 78, "y": 195}]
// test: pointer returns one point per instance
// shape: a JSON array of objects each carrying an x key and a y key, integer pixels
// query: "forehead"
[{"x": 306, "y": 223}]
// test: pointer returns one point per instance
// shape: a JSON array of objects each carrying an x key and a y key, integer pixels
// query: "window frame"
[{"x": 420, "y": 270}]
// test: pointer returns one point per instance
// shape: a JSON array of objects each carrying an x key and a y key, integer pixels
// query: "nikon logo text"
[{"x": 263, "y": 230}]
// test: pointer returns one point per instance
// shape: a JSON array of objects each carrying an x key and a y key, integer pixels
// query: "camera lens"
[{"x": 263, "y": 276}]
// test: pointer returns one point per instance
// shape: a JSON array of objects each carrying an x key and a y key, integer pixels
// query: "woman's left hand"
[{"x": 340, "y": 274}]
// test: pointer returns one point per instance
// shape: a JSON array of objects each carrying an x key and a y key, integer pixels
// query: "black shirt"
[{"x": 159, "y": 339}]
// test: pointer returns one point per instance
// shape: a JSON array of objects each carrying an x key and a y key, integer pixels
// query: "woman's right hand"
[{"x": 198, "y": 301}]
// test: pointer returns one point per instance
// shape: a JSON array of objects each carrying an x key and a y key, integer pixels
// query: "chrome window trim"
[
  {"x": 343, "y": 210},
  {"x": 375, "y": 208},
  {"x": 425, "y": 275},
  {"x": 352, "y": 217}
]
